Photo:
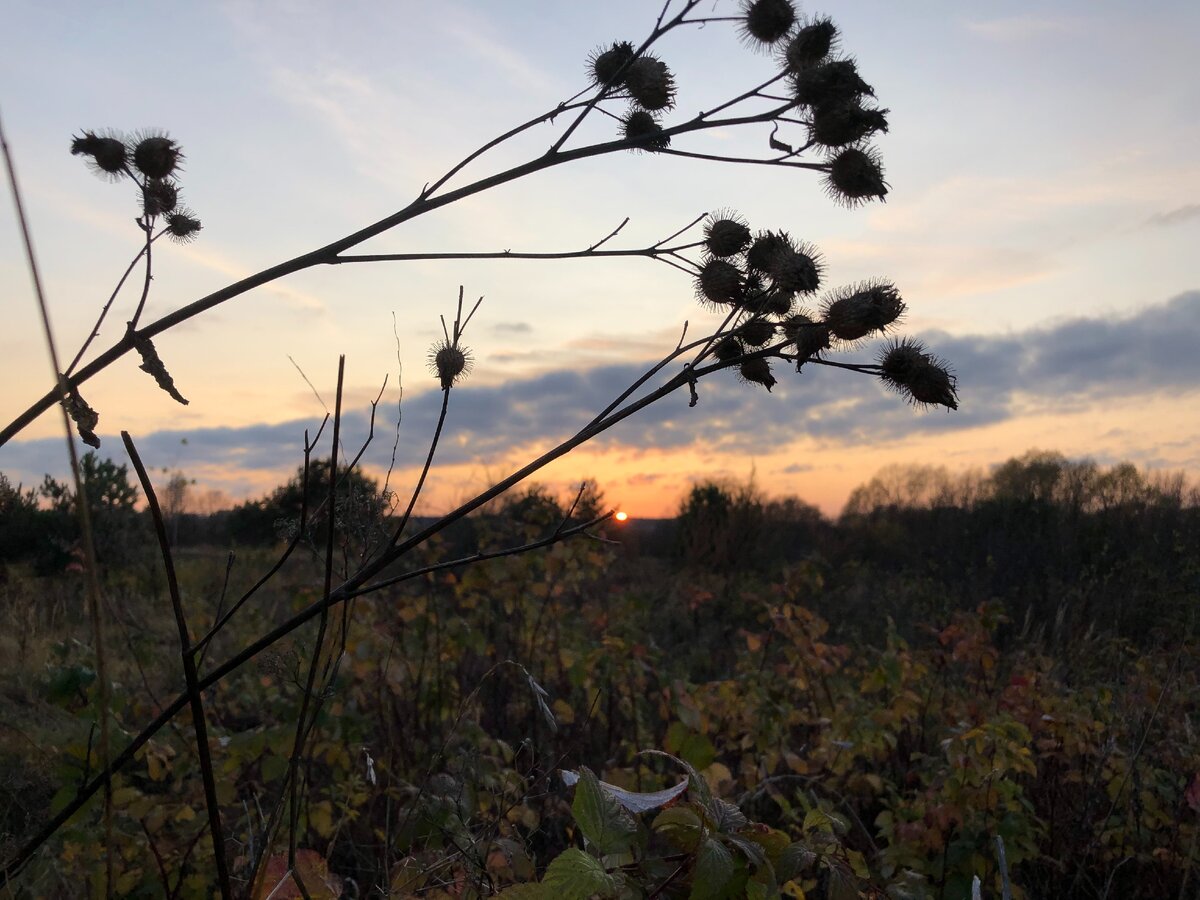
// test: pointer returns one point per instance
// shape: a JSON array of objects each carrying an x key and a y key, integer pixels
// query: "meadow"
[{"x": 857, "y": 707}]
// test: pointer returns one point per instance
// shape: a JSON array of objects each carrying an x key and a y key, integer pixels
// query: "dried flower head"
[
  {"x": 765, "y": 22},
  {"x": 720, "y": 282},
  {"x": 796, "y": 270},
  {"x": 756, "y": 332},
  {"x": 810, "y": 45},
  {"x": 856, "y": 176},
  {"x": 832, "y": 82},
  {"x": 642, "y": 129},
  {"x": 650, "y": 83},
  {"x": 924, "y": 379},
  {"x": 182, "y": 226},
  {"x": 605, "y": 66},
  {"x": 839, "y": 124},
  {"x": 776, "y": 303},
  {"x": 728, "y": 348},
  {"x": 159, "y": 197},
  {"x": 449, "y": 363},
  {"x": 857, "y": 311},
  {"x": 809, "y": 336},
  {"x": 106, "y": 154},
  {"x": 757, "y": 371},
  {"x": 156, "y": 155},
  {"x": 725, "y": 234},
  {"x": 766, "y": 247}
]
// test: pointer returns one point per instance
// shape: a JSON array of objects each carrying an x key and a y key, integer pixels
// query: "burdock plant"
[{"x": 754, "y": 282}]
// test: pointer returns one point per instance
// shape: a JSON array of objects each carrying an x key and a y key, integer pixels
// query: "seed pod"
[
  {"x": 106, "y": 154},
  {"x": 766, "y": 247},
  {"x": 449, "y": 363},
  {"x": 182, "y": 226},
  {"x": 756, "y": 332},
  {"x": 152, "y": 364},
  {"x": 757, "y": 371},
  {"x": 159, "y": 197},
  {"x": 606, "y": 66},
  {"x": 767, "y": 21},
  {"x": 810, "y": 337},
  {"x": 650, "y": 83},
  {"x": 829, "y": 83},
  {"x": 725, "y": 235},
  {"x": 156, "y": 156},
  {"x": 906, "y": 368},
  {"x": 810, "y": 45},
  {"x": 720, "y": 282},
  {"x": 863, "y": 309},
  {"x": 728, "y": 348},
  {"x": 856, "y": 176},
  {"x": 641, "y": 128},
  {"x": 796, "y": 270},
  {"x": 836, "y": 125}
]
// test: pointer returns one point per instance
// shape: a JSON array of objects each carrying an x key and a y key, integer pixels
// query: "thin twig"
[
  {"x": 199, "y": 723},
  {"x": 82, "y": 506}
]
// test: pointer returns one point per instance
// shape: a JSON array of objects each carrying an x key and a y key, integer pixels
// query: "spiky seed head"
[
  {"x": 832, "y": 82},
  {"x": 839, "y": 124},
  {"x": 106, "y": 155},
  {"x": 810, "y": 45},
  {"x": 796, "y": 270},
  {"x": 449, "y": 363},
  {"x": 856, "y": 176},
  {"x": 728, "y": 348},
  {"x": 908, "y": 369},
  {"x": 156, "y": 155},
  {"x": 765, "y": 22},
  {"x": 720, "y": 282},
  {"x": 809, "y": 336},
  {"x": 725, "y": 234},
  {"x": 641, "y": 129},
  {"x": 756, "y": 332},
  {"x": 757, "y": 371},
  {"x": 777, "y": 303},
  {"x": 606, "y": 66},
  {"x": 766, "y": 247},
  {"x": 854, "y": 312},
  {"x": 182, "y": 226},
  {"x": 650, "y": 83},
  {"x": 159, "y": 197}
]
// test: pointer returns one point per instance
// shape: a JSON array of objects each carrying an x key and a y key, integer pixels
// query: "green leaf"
[
  {"x": 681, "y": 826},
  {"x": 573, "y": 875},
  {"x": 604, "y": 822},
  {"x": 793, "y": 861},
  {"x": 524, "y": 892},
  {"x": 714, "y": 869}
]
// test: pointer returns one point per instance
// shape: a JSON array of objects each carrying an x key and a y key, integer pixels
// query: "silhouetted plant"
[{"x": 766, "y": 285}]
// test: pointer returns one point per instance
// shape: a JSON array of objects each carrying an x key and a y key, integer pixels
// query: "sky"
[{"x": 1041, "y": 225}]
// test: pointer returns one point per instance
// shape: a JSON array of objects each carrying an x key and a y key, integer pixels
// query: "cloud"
[
  {"x": 1176, "y": 216},
  {"x": 1022, "y": 27},
  {"x": 1078, "y": 362},
  {"x": 512, "y": 328}
]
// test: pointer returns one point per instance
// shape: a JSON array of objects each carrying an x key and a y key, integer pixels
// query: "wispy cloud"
[
  {"x": 1080, "y": 362},
  {"x": 1176, "y": 216}
]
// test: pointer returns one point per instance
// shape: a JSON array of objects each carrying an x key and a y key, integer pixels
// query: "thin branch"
[
  {"x": 60, "y": 394},
  {"x": 189, "y": 672}
]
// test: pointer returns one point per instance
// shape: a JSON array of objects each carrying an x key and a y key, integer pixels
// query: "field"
[{"x": 864, "y": 705}]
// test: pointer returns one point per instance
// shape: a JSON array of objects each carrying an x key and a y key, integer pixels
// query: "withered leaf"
[
  {"x": 85, "y": 418},
  {"x": 152, "y": 364}
]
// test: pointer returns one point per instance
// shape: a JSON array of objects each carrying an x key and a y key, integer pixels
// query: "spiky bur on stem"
[{"x": 152, "y": 160}]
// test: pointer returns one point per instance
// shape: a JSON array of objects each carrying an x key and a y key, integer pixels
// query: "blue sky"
[{"x": 1042, "y": 225}]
